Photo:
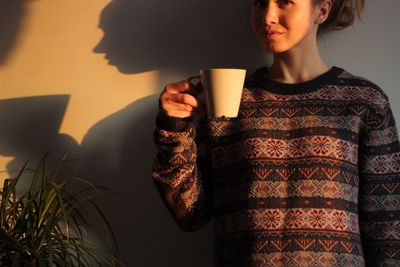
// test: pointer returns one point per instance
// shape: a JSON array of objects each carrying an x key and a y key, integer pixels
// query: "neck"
[{"x": 297, "y": 65}]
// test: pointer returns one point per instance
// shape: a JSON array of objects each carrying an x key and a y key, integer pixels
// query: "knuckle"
[
  {"x": 169, "y": 88},
  {"x": 188, "y": 99},
  {"x": 163, "y": 98},
  {"x": 179, "y": 98},
  {"x": 185, "y": 98},
  {"x": 183, "y": 85},
  {"x": 178, "y": 86}
]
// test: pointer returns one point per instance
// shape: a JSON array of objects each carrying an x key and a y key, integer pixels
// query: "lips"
[{"x": 271, "y": 34}]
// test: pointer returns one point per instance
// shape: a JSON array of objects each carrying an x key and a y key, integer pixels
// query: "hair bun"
[{"x": 342, "y": 15}]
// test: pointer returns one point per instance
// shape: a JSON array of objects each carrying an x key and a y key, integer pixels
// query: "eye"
[
  {"x": 282, "y": 3},
  {"x": 264, "y": 3},
  {"x": 260, "y": 3}
]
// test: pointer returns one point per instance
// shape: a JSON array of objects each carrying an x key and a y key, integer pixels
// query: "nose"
[
  {"x": 99, "y": 48},
  {"x": 271, "y": 14}
]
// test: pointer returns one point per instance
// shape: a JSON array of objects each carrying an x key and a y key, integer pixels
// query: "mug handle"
[{"x": 190, "y": 79}]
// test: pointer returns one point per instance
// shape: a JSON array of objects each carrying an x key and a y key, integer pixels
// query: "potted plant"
[{"x": 46, "y": 225}]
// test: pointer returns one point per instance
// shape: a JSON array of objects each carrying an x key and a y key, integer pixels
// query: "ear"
[{"x": 323, "y": 10}]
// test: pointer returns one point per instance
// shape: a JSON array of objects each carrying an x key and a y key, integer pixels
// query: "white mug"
[{"x": 222, "y": 90}]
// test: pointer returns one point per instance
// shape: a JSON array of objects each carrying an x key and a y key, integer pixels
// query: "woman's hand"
[{"x": 180, "y": 99}]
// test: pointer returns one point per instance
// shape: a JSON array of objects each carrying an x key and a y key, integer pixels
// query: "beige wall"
[
  {"x": 53, "y": 55},
  {"x": 54, "y": 89},
  {"x": 58, "y": 92}
]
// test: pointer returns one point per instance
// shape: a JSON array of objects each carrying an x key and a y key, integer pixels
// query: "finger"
[
  {"x": 179, "y": 98},
  {"x": 184, "y": 114},
  {"x": 178, "y": 87},
  {"x": 185, "y": 86},
  {"x": 185, "y": 99},
  {"x": 175, "y": 102},
  {"x": 171, "y": 105}
]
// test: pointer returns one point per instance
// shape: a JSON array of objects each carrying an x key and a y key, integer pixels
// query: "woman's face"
[{"x": 281, "y": 25}]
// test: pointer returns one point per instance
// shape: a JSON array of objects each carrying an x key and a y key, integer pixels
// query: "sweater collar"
[{"x": 262, "y": 79}]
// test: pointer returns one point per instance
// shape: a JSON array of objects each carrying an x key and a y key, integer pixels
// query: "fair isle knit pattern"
[{"x": 308, "y": 174}]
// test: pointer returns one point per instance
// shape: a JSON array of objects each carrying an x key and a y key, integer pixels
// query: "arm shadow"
[{"x": 120, "y": 152}]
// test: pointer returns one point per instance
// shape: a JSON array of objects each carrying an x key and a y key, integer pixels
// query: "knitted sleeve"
[
  {"x": 182, "y": 170},
  {"x": 379, "y": 196}
]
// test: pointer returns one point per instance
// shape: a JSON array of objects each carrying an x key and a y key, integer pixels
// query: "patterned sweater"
[{"x": 308, "y": 174}]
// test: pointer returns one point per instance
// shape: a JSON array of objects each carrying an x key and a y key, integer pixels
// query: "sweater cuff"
[{"x": 173, "y": 124}]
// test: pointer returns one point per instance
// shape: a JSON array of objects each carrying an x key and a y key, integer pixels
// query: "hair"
[{"x": 342, "y": 15}]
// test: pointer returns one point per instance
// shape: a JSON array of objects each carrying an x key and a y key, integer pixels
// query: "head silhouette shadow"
[
  {"x": 11, "y": 14},
  {"x": 178, "y": 36}
]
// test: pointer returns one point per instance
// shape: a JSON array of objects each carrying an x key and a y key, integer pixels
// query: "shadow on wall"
[
  {"x": 117, "y": 153},
  {"x": 30, "y": 128},
  {"x": 178, "y": 36},
  {"x": 121, "y": 153},
  {"x": 11, "y": 13}
]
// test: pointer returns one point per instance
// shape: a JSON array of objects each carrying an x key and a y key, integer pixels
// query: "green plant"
[{"x": 46, "y": 225}]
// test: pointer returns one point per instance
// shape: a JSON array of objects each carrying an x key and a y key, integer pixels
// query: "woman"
[{"x": 307, "y": 174}]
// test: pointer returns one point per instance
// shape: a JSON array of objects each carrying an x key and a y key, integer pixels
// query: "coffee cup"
[{"x": 222, "y": 91}]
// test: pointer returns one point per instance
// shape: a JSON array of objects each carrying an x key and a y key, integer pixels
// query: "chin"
[{"x": 273, "y": 49}]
